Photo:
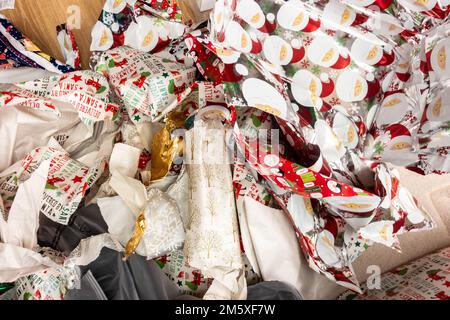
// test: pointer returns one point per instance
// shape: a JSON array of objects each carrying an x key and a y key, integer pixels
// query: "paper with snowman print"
[
  {"x": 331, "y": 216},
  {"x": 212, "y": 236},
  {"x": 319, "y": 51},
  {"x": 409, "y": 127},
  {"x": 146, "y": 26}
]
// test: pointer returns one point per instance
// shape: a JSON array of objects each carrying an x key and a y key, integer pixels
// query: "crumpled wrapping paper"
[
  {"x": 322, "y": 67},
  {"x": 149, "y": 86},
  {"x": 74, "y": 108},
  {"x": 164, "y": 231},
  {"x": 345, "y": 87},
  {"x": 16, "y": 50},
  {"x": 212, "y": 235},
  {"x": 68, "y": 46},
  {"x": 150, "y": 26},
  {"x": 426, "y": 278}
]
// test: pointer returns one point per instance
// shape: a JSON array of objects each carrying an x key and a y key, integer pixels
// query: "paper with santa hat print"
[
  {"x": 407, "y": 127},
  {"x": 347, "y": 210},
  {"x": 46, "y": 274}
]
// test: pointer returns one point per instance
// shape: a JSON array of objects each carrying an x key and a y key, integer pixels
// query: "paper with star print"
[
  {"x": 86, "y": 91},
  {"x": 149, "y": 86},
  {"x": 66, "y": 182}
]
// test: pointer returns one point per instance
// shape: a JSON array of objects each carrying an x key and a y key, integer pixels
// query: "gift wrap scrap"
[{"x": 157, "y": 149}]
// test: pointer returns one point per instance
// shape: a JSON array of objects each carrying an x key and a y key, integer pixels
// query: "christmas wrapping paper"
[
  {"x": 45, "y": 274},
  {"x": 66, "y": 183},
  {"x": 321, "y": 66},
  {"x": 427, "y": 278},
  {"x": 16, "y": 50},
  {"x": 149, "y": 86},
  {"x": 69, "y": 46},
  {"x": 191, "y": 281},
  {"x": 73, "y": 108},
  {"x": 149, "y": 26},
  {"x": 212, "y": 236},
  {"x": 319, "y": 95},
  {"x": 164, "y": 230}
]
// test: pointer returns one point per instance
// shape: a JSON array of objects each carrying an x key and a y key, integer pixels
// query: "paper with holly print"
[
  {"x": 88, "y": 93},
  {"x": 149, "y": 86},
  {"x": 427, "y": 278},
  {"x": 66, "y": 185}
]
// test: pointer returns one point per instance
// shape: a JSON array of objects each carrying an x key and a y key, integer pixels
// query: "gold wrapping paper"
[{"x": 138, "y": 232}]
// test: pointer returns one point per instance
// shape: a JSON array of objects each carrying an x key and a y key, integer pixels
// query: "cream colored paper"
[
  {"x": 23, "y": 219},
  {"x": 278, "y": 253},
  {"x": 16, "y": 262},
  {"x": 125, "y": 159},
  {"x": 119, "y": 218},
  {"x": 212, "y": 237},
  {"x": 165, "y": 231}
]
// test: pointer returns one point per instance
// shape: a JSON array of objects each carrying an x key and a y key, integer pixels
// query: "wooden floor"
[{"x": 38, "y": 20}]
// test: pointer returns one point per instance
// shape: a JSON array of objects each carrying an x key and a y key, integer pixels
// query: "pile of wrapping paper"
[{"x": 158, "y": 160}]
